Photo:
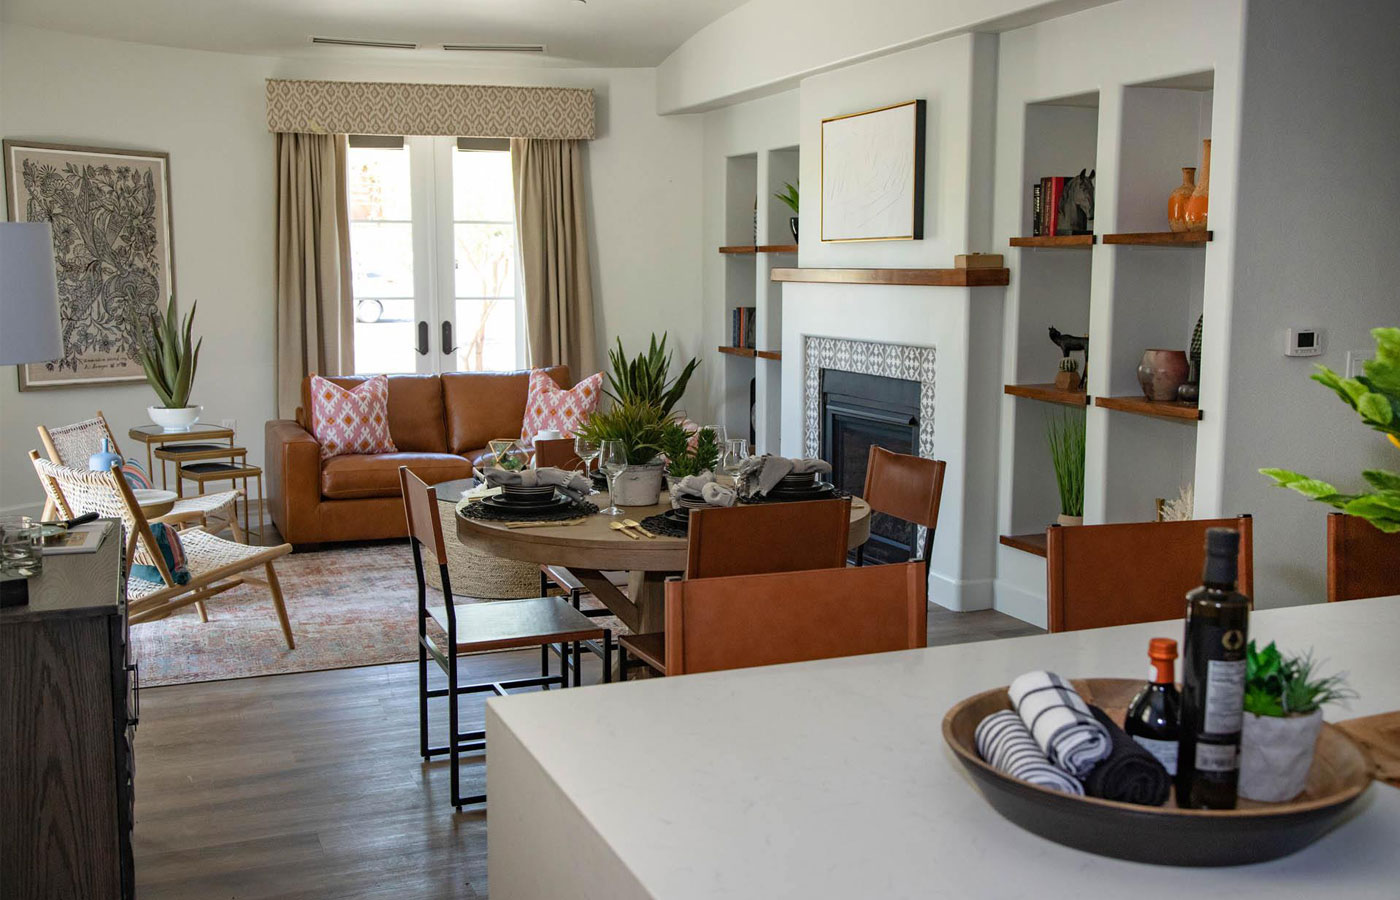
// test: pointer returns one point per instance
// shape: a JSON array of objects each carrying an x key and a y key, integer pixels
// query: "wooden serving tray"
[{"x": 1167, "y": 835}]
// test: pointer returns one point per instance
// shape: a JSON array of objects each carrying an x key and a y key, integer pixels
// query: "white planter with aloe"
[
  {"x": 170, "y": 363},
  {"x": 631, "y": 430},
  {"x": 1283, "y": 700},
  {"x": 1065, "y": 434}
]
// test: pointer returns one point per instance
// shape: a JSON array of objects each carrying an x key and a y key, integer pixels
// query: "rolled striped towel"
[
  {"x": 1005, "y": 742},
  {"x": 1060, "y": 721}
]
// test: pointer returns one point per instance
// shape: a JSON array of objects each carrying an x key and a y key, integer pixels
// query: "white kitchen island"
[{"x": 831, "y": 779}]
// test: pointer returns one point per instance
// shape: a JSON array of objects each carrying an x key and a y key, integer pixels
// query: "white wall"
[
  {"x": 1318, "y": 189},
  {"x": 766, "y": 46},
  {"x": 207, "y": 110}
]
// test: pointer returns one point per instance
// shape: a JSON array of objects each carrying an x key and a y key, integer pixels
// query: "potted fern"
[
  {"x": 169, "y": 362},
  {"x": 1283, "y": 700},
  {"x": 688, "y": 453},
  {"x": 1065, "y": 434}
]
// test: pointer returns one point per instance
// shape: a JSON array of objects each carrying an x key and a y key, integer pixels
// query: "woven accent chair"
[
  {"x": 216, "y": 565},
  {"x": 71, "y": 445}
]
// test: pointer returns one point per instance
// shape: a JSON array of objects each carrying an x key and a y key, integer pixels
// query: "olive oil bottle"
[{"x": 1213, "y": 676}]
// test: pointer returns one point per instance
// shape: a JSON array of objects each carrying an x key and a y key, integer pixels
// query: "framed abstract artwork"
[
  {"x": 872, "y": 168},
  {"x": 113, "y": 252}
]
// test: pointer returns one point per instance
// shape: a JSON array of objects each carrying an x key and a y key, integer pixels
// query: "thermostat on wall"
[{"x": 1303, "y": 342}]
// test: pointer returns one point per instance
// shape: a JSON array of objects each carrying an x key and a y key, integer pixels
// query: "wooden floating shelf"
[
  {"x": 1161, "y": 238},
  {"x": 1048, "y": 393},
  {"x": 1139, "y": 405},
  {"x": 770, "y": 354},
  {"x": 1053, "y": 241},
  {"x": 739, "y": 351},
  {"x": 1029, "y": 543},
  {"x": 749, "y": 249},
  {"x": 908, "y": 277}
]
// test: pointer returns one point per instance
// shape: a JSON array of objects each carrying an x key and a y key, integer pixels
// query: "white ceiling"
[{"x": 596, "y": 33}]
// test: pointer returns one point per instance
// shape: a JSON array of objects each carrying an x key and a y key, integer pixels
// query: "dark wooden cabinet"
[{"x": 67, "y": 717}]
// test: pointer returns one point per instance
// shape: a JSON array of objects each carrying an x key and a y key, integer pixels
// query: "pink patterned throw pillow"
[
  {"x": 550, "y": 406},
  {"x": 351, "y": 421}
]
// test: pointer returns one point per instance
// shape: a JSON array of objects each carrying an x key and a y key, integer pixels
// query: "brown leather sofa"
[{"x": 440, "y": 425}]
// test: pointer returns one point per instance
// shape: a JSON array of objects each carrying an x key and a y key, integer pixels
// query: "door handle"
[
  {"x": 447, "y": 345},
  {"x": 422, "y": 338}
]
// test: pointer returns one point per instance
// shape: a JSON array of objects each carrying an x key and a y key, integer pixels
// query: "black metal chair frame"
[
  {"x": 575, "y": 595},
  {"x": 460, "y": 742},
  {"x": 927, "y": 555}
]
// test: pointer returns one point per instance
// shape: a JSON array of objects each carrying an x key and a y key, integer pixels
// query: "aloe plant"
[
  {"x": 1376, "y": 398},
  {"x": 168, "y": 359},
  {"x": 646, "y": 379},
  {"x": 789, "y": 196},
  {"x": 1066, "y": 436}
]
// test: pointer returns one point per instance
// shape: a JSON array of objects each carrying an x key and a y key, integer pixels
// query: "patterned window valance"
[{"x": 462, "y": 110}]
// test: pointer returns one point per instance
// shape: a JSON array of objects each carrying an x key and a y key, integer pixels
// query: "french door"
[{"x": 434, "y": 253}]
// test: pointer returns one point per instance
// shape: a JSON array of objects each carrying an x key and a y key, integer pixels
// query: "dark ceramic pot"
[
  {"x": 792, "y": 224},
  {"x": 1162, "y": 372}
]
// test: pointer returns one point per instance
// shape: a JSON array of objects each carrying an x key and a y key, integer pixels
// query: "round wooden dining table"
[{"x": 593, "y": 547}]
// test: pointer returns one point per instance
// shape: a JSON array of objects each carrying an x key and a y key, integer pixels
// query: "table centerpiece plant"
[
  {"x": 1375, "y": 396},
  {"x": 1283, "y": 700},
  {"x": 1065, "y": 434},
  {"x": 641, "y": 427},
  {"x": 170, "y": 362},
  {"x": 688, "y": 452}
]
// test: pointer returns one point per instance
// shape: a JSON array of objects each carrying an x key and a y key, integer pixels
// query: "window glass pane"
[
  {"x": 481, "y": 186},
  {"x": 485, "y": 256},
  {"x": 383, "y": 347},
  {"x": 377, "y": 182},
  {"x": 381, "y": 257},
  {"x": 486, "y": 334}
]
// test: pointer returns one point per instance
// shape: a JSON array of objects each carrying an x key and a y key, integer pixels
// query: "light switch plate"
[
  {"x": 231, "y": 424},
  {"x": 1356, "y": 359}
]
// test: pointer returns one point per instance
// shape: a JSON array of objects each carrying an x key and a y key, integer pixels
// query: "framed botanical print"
[
  {"x": 872, "y": 169},
  {"x": 113, "y": 252}
]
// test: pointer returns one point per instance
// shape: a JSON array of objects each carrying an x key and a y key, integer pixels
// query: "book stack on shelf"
[
  {"x": 742, "y": 324},
  {"x": 1063, "y": 205}
]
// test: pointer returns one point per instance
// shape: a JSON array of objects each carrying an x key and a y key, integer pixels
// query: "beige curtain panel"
[
  {"x": 315, "y": 302},
  {"x": 549, "y": 214},
  {"x": 460, "y": 110}
]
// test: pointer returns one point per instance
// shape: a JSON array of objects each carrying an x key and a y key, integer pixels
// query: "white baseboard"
[
  {"x": 1021, "y": 603},
  {"x": 960, "y": 595}
]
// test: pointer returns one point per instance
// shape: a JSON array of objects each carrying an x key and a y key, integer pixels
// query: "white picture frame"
[{"x": 872, "y": 175}]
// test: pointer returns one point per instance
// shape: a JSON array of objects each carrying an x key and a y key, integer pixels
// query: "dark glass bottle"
[
  {"x": 1154, "y": 718},
  {"x": 1212, "y": 681}
]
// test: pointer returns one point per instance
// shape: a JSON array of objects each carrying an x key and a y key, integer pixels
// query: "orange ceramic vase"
[
  {"x": 1198, "y": 206},
  {"x": 1176, "y": 203}
]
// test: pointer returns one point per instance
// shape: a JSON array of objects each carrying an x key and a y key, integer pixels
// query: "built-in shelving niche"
[
  {"x": 781, "y": 166},
  {"x": 1052, "y": 281},
  {"x": 1158, "y": 291},
  {"x": 740, "y": 280}
]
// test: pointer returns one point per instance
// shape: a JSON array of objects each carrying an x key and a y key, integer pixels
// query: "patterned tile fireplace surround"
[{"x": 864, "y": 358}]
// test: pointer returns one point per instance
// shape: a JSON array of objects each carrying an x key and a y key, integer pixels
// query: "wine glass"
[
  {"x": 612, "y": 459},
  {"x": 586, "y": 451},
  {"x": 736, "y": 450},
  {"x": 721, "y": 436}
]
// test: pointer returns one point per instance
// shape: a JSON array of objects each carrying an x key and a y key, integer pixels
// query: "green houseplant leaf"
[
  {"x": 646, "y": 379},
  {"x": 1066, "y": 436}
]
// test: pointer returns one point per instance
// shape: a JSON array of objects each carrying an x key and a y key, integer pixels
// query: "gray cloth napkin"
[
  {"x": 760, "y": 474},
  {"x": 706, "y": 488},
  {"x": 574, "y": 485}
]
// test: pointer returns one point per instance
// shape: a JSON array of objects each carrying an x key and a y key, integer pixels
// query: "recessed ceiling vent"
[
  {"x": 352, "y": 42},
  {"x": 497, "y": 48}
]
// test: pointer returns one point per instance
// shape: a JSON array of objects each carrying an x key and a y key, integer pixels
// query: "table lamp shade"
[{"x": 29, "y": 327}]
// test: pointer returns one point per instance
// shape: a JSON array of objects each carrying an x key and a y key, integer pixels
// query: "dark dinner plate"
[
  {"x": 527, "y": 509},
  {"x": 811, "y": 492}
]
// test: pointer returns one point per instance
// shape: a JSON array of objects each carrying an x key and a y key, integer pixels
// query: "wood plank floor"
[{"x": 310, "y": 786}]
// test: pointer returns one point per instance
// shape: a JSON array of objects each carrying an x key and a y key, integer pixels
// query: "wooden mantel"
[{"x": 912, "y": 277}]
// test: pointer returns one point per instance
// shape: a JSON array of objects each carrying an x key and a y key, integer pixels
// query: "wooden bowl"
[{"x": 1166, "y": 835}]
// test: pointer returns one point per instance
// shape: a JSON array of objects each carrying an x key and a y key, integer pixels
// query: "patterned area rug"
[{"x": 349, "y": 606}]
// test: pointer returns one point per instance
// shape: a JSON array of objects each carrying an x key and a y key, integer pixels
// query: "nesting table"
[{"x": 154, "y": 436}]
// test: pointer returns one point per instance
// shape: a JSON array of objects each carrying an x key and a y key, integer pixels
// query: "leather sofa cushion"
[
  {"x": 357, "y": 477},
  {"x": 416, "y": 421},
  {"x": 483, "y": 406}
]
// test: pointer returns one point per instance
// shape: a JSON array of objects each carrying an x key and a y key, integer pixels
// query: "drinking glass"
[
  {"x": 721, "y": 436},
  {"x": 20, "y": 546},
  {"x": 612, "y": 459},
  {"x": 736, "y": 450},
  {"x": 587, "y": 451}
]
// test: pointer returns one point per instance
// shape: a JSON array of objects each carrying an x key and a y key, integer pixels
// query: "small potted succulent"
[
  {"x": 688, "y": 453},
  {"x": 1283, "y": 700},
  {"x": 170, "y": 362},
  {"x": 1066, "y": 437}
]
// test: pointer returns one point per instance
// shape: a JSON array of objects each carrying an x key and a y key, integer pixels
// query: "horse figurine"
[
  {"x": 1077, "y": 205},
  {"x": 1070, "y": 343}
]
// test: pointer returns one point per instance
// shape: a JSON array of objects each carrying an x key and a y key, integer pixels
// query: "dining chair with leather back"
[
  {"x": 1362, "y": 560},
  {"x": 1101, "y": 575},
  {"x": 752, "y": 539},
  {"x": 557, "y": 453},
  {"x": 785, "y": 617},
  {"x": 904, "y": 487},
  {"x": 478, "y": 627}
]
